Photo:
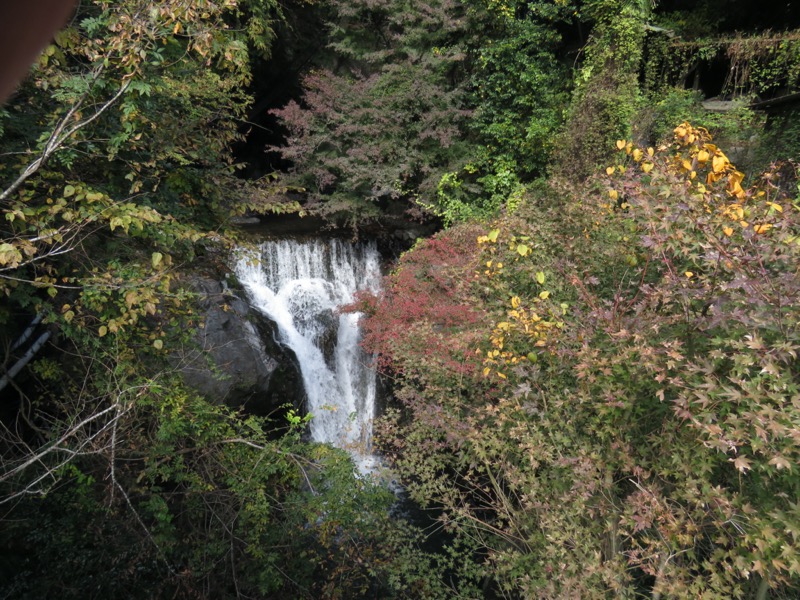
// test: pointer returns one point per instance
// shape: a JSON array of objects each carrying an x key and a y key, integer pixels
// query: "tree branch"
[{"x": 59, "y": 136}]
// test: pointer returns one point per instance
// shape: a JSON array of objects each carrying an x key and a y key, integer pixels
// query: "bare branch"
[
  {"x": 26, "y": 358},
  {"x": 59, "y": 136}
]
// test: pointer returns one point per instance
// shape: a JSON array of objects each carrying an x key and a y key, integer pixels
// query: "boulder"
[{"x": 234, "y": 358}]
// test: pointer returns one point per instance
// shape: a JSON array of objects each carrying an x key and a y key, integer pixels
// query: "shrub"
[{"x": 635, "y": 430}]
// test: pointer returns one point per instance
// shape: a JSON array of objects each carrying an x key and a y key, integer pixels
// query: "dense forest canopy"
[{"x": 592, "y": 367}]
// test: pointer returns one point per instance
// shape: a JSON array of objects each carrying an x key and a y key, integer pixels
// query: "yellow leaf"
[
  {"x": 736, "y": 189},
  {"x": 493, "y": 235},
  {"x": 762, "y": 228},
  {"x": 610, "y": 170},
  {"x": 718, "y": 163},
  {"x": 515, "y": 301},
  {"x": 651, "y": 152},
  {"x": 102, "y": 331},
  {"x": 728, "y": 231},
  {"x": 544, "y": 295},
  {"x": 156, "y": 259},
  {"x": 9, "y": 255},
  {"x": 486, "y": 371},
  {"x": 620, "y": 145},
  {"x": 158, "y": 344},
  {"x": 689, "y": 274},
  {"x": 613, "y": 194},
  {"x": 637, "y": 155},
  {"x": 647, "y": 167},
  {"x": 702, "y": 156},
  {"x": 540, "y": 277},
  {"x": 775, "y": 206}
]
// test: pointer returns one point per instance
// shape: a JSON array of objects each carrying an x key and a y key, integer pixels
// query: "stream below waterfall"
[{"x": 299, "y": 285}]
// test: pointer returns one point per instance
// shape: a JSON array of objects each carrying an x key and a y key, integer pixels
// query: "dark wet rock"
[
  {"x": 234, "y": 357},
  {"x": 329, "y": 334},
  {"x": 243, "y": 221}
]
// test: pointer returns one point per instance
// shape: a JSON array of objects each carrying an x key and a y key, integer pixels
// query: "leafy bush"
[{"x": 633, "y": 429}]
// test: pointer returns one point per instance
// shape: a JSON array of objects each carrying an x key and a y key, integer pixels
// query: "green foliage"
[
  {"x": 606, "y": 91},
  {"x": 387, "y": 124},
  {"x": 519, "y": 90},
  {"x": 780, "y": 140},
  {"x": 733, "y": 127},
  {"x": 184, "y": 498},
  {"x": 472, "y": 95}
]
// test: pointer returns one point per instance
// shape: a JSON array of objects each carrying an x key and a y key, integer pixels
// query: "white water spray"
[{"x": 299, "y": 286}]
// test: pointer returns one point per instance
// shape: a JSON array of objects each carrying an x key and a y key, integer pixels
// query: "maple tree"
[{"x": 628, "y": 424}]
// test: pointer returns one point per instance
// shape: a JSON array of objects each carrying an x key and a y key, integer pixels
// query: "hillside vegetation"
[{"x": 592, "y": 366}]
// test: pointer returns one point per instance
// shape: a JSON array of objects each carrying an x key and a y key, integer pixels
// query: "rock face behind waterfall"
[{"x": 233, "y": 358}]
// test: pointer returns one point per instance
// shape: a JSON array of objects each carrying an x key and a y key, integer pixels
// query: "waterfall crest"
[{"x": 299, "y": 285}]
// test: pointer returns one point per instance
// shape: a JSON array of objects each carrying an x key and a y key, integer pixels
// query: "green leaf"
[
  {"x": 158, "y": 344},
  {"x": 68, "y": 191},
  {"x": 102, "y": 331},
  {"x": 156, "y": 259},
  {"x": 540, "y": 277},
  {"x": 523, "y": 250},
  {"x": 493, "y": 235}
]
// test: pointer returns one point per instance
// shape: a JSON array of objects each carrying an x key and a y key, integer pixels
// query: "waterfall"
[{"x": 299, "y": 285}]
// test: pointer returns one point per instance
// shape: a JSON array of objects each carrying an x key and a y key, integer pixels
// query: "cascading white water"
[{"x": 299, "y": 285}]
